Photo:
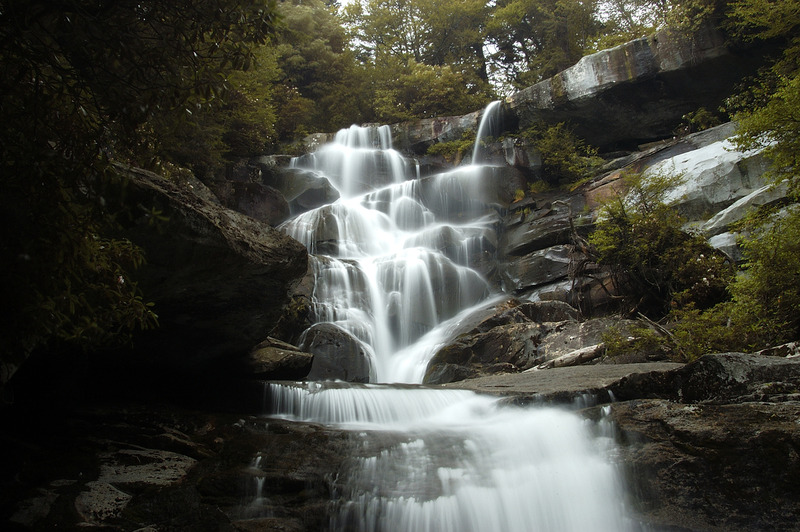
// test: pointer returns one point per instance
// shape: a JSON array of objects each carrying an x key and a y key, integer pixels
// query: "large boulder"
[
  {"x": 338, "y": 355},
  {"x": 714, "y": 445},
  {"x": 638, "y": 91},
  {"x": 546, "y": 224},
  {"x": 258, "y": 201},
  {"x": 538, "y": 268},
  {"x": 715, "y": 176},
  {"x": 730, "y": 467},
  {"x": 303, "y": 189},
  {"x": 724, "y": 219},
  {"x": 719, "y": 378},
  {"x": 417, "y": 136},
  {"x": 517, "y": 336},
  {"x": 273, "y": 359},
  {"x": 219, "y": 279}
]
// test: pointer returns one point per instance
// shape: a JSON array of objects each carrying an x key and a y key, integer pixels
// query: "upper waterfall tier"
[{"x": 358, "y": 160}]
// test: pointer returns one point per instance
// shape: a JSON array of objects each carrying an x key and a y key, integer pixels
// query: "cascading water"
[{"x": 393, "y": 269}]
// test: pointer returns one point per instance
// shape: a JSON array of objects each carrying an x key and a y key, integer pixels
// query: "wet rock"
[
  {"x": 728, "y": 467},
  {"x": 416, "y": 137},
  {"x": 720, "y": 378},
  {"x": 296, "y": 316},
  {"x": 303, "y": 189},
  {"x": 337, "y": 354},
  {"x": 536, "y": 234},
  {"x": 513, "y": 346},
  {"x": 462, "y": 245},
  {"x": 468, "y": 191},
  {"x": 273, "y": 359},
  {"x": 559, "y": 385},
  {"x": 533, "y": 336},
  {"x": 508, "y": 340},
  {"x": 124, "y": 473},
  {"x": 537, "y": 268},
  {"x": 518, "y": 152}
]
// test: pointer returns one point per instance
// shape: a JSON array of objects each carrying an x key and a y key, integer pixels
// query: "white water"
[
  {"x": 489, "y": 125},
  {"x": 392, "y": 266}
]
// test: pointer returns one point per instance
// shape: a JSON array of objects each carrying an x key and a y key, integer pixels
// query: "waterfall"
[
  {"x": 393, "y": 264},
  {"x": 489, "y": 126}
]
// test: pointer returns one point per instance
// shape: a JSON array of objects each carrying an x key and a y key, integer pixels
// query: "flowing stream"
[{"x": 397, "y": 270}]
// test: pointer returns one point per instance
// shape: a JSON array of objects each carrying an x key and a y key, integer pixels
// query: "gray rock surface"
[
  {"x": 559, "y": 384},
  {"x": 715, "y": 176},
  {"x": 537, "y": 268},
  {"x": 720, "y": 378},
  {"x": 273, "y": 359},
  {"x": 638, "y": 91},
  {"x": 710, "y": 467},
  {"x": 520, "y": 337},
  {"x": 258, "y": 201},
  {"x": 337, "y": 354},
  {"x": 722, "y": 221},
  {"x": 219, "y": 279}
]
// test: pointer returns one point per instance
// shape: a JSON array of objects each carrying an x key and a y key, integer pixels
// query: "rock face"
[
  {"x": 618, "y": 98},
  {"x": 638, "y": 91},
  {"x": 218, "y": 278},
  {"x": 256, "y": 200},
  {"x": 730, "y": 467},
  {"x": 720, "y": 378},
  {"x": 720, "y": 448},
  {"x": 417, "y": 136},
  {"x": 522, "y": 336},
  {"x": 152, "y": 467},
  {"x": 716, "y": 175}
]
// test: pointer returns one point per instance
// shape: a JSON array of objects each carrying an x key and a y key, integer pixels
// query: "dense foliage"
[
  {"x": 765, "y": 298},
  {"x": 654, "y": 263},
  {"x": 84, "y": 83}
]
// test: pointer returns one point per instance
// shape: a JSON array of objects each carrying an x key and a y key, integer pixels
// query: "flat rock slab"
[{"x": 558, "y": 383}]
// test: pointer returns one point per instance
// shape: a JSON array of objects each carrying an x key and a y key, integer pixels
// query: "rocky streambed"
[{"x": 712, "y": 445}]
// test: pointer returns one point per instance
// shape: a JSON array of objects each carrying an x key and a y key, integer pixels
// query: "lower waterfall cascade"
[{"x": 396, "y": 269}]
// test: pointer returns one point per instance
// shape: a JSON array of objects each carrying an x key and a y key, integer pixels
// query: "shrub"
[
  {"x": 565, "y": 157},
  {"x": 637, "y": 339},
  {"x": 654, "y": 263},
  {"x": 765, "y": 298},
  {"x": 767, "y": 295},
  {"x": 454, "y": 149}
]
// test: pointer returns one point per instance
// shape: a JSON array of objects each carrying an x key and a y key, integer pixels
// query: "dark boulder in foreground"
[
  {"x": 711, "y": 467},
  {"x": 219, "y": 279},
  {"x": 338, "y": 355},
  {"x": 277, "y": 360}
]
